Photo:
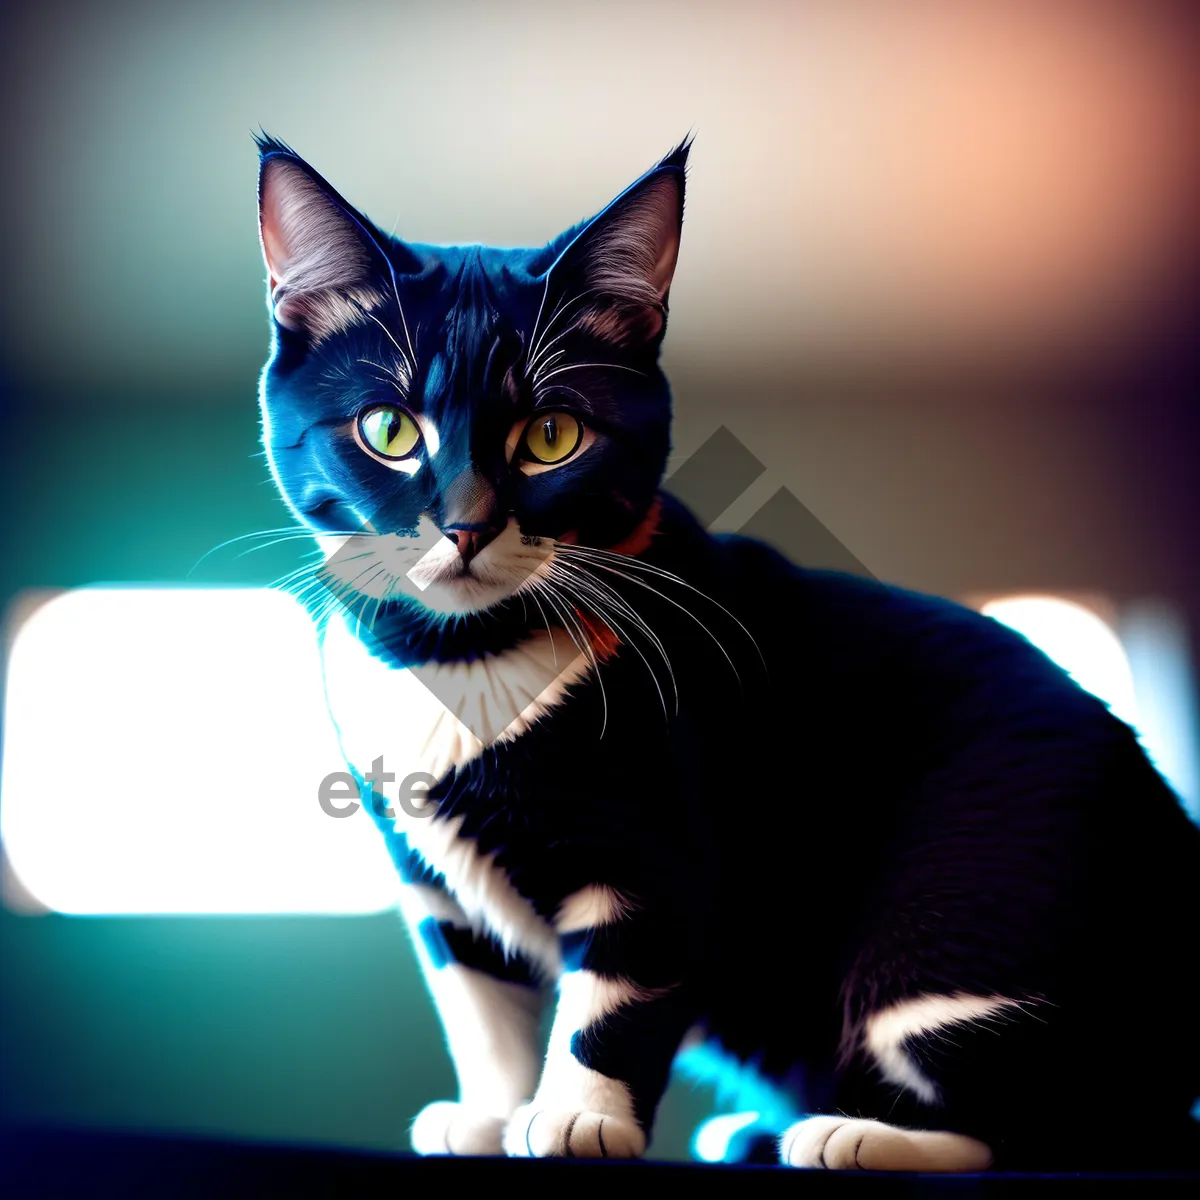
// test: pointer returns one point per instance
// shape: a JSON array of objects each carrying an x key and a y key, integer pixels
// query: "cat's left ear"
[
  {"x": 620, "y": 265},
  {"x": 325, "y": 261}
]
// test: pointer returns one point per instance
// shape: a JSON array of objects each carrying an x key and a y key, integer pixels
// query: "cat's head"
[{"x": 456, "y": 410}]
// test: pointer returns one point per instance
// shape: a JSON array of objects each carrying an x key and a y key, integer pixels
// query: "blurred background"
[{"x": 939, "y": 277}]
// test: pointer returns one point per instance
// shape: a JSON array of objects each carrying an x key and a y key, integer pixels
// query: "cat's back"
[
  {"x": 890, "y": 697},
  {"x": 841, "y": 643}
]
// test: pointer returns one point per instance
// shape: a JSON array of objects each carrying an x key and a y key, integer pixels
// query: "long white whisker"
[
  {"x": 363, "y": 598},
  {"x": 536, "y": 346},
  {"x": 391, "y": 375},
  {"x": 339, "y": 588},
  {"x": 627, "y": 560},
  {"x": 299, "y": 530},
  {"x": 602, "y": 611},
  {"x": 294, "y": 577},
  {"x": 532, "y": 593},
  {"x": 409, "y": 365},
  {"x": 541, "y": 391},
  {"x": 412, "y": 354},
  {"x": 685, "y": 611},
  {"x": 585, "y": 646},
  {"x": 535, "y": 337},
  {"x": 549, "y": 362},
  {"x": 383, "y": 599},
  {"x": 295, "y": 537},
  {"x": 612, "y": 599},
  {"x": 587, "y": 365}
]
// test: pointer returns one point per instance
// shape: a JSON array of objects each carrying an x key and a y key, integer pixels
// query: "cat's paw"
[
  {"x": 537, "y": 1132},
  {"x": 449, "y": 1128},
  {"x": 848, "y": 1144}
]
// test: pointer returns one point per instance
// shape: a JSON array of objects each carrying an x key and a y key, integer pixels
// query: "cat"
[{"x": 869, "y": 844}]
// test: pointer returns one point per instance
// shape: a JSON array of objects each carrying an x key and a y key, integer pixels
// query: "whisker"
[
  {"x": 292, "y": 580},
  {"x": 596, "y": 365},
  {"x": 606, "y": 616},
  {"x": 613, "y": 599},
  {"x": 381, "y": 603},
  {"x": 545, "y": 366},
  {"x": 280, "y": 542},
  {"x": 553, "y": 644},
  {"x": 682, "y": 609},
  {"x": 627, "y": 560},
  {"x": 363, "y": 598},
  {"x": 558, "y": 337},
  {"x": 412, "y": 354},
  {"x": 541, "y": 391},
  {"x": 258, "y": 533},
  {"x": 391, "y": 376},
  {"x": 536, "y": 342},
  {"x": 585, "y": 647},
  {"x": 407, "y": 361}
]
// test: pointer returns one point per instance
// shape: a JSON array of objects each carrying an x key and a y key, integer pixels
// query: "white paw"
[
  {"x": 449, "y": 1128},
  {"x": 847, "y": 1144},
  {"x": 537, "y": 1132}
]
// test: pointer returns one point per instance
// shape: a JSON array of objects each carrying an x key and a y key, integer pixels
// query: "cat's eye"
[
  {"x": 388, "y": 431},
  {"x": 552, "y": 438}
]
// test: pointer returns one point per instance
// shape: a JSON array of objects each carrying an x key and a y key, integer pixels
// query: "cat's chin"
[{"x": 464, "y": 594}]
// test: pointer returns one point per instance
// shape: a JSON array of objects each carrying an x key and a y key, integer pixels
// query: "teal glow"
[
  {"x": 737, "y": 1086},
  {"x": 711, "y": 1142}
]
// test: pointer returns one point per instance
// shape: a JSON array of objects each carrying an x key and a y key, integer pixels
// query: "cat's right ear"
[{"x": 325, "y": 262}]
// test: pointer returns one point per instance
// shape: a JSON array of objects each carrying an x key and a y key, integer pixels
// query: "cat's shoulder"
[{"x": 852, "y": 619}]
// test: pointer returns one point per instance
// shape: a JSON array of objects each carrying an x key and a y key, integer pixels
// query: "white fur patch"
[
  {"x": 440, "y": 716},
  {"x": 887, "y": 1031},
  {"x": 430, "y": 720},
  {"x": 419, "y": 900},
  {"x": 491, "y": 1025},
  {"x": 567, "y": 1085},
  {"x": 848, "y": 1144},
  {"x": 448, "y": 1128},
  {"x": 483, "y": 889},
  {"x": 536, "y": 1132},
  {"x": 577, "y": 1112},
  {"x": 589, "y": 907}
]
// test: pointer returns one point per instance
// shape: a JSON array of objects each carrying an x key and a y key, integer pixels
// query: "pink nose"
[{"x": 470, "y": 541}]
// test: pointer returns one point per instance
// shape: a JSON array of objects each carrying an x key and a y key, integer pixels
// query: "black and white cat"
[{"x": 868, "y": 842}]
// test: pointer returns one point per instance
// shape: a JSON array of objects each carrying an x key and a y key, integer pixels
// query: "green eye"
[
  {"x": 389, "y": 431},
  {"x": 552, "y": 437}
]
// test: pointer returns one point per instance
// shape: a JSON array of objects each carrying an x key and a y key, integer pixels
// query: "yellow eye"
[
  {"x": 389, "y": 431},
  {"x": 552, "y": 437}
]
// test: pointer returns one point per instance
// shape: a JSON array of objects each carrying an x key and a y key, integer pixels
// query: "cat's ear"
[
  {"x": 623, "y": 260},
  {"x": 325, "y": 262}
]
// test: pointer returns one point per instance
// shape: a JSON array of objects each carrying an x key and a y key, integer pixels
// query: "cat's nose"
[{"x": 470, "y": 539}]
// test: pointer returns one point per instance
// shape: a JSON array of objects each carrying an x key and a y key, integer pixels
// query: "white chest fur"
[{"x": 430, "y": 719}]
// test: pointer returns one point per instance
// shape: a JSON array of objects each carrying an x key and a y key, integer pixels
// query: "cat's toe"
[
  {"x": 449, "y": 1128},
  {"x": 848, "y": 1144},
  {"x": 537, "y": 1132}
]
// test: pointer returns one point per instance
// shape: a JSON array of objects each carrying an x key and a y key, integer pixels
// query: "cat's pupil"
[{"x": 550, "y": 431}]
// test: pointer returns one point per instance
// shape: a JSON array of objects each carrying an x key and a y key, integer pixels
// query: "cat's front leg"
[
  {"x": 622, "y": 1010},
  {"x": 490, "y": 1006}
]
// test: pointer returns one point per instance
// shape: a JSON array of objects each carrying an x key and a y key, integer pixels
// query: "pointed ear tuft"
[
  {"x": 679, "y": 156},
  {"x": 625, "y": 257},
  {"x": 324, "y": 265}
]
